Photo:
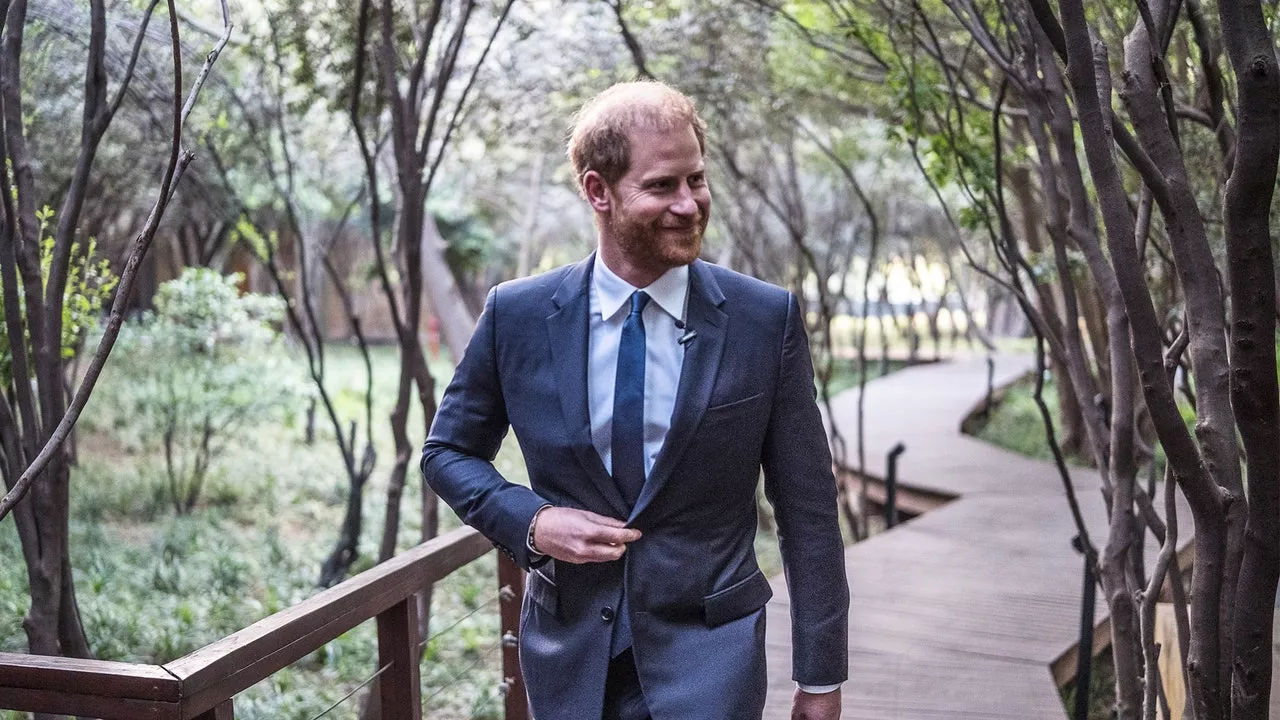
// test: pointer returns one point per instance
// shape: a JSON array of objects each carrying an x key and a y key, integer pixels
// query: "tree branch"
[
  {"x": 633, "y": 45},
  {"x": 462, "y": 100},
  {"x": 178, "y": 161}
]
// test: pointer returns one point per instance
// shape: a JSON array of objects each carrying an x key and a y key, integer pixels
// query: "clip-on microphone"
[{"x": 687, "y": 336}]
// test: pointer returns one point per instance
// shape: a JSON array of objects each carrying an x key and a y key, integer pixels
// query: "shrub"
[
  {"x": 90, "y": 283},
  {"x": 199, "y": 373}
]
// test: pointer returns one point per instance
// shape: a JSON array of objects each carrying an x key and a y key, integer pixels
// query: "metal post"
[
  {"x": 991, "y": 386},
  {"x": 510, "y": 593},
  {"x": 891, "y": 486},
  {"x": 1084, "y": 651}
]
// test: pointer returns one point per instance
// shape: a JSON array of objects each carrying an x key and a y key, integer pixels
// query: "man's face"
[{"x": 659, "y": 208}]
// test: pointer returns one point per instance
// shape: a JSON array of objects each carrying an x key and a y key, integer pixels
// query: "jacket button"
[{"x": 606, "y": 614}]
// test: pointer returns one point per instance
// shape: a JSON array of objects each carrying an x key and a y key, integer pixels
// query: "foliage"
[
  {"x": 203, "y": 370},
  {"x": 90, "y": 282},
  {"x": 469, "y": 242},
  {"x": 1102, "y": 689},
  {"x": 155, "y": 586}
]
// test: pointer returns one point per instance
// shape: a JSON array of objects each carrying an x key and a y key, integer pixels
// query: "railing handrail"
[{"x": 204, "y": 679}]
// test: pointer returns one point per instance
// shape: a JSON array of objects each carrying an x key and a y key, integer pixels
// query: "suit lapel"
[
  {"x": 568, "y": 329},
  {"x": 697, "y": 376}
]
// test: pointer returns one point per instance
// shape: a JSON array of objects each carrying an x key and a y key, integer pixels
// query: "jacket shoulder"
[
  {"x": 744, "y": 292},
  {"x": 529, "y": 293}
]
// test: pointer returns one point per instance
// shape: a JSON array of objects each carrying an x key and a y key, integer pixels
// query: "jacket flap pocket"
[
  {"x": 739, "y": 599},
  {"x": 725, "y": 411},
  {"x": 543, "y": 592}
]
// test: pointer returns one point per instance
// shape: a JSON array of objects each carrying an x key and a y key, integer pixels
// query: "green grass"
[
  {"x": 1102, "y": 690},
  {"x": 1017, "y": 425},
  {"x": 153, "y": 586},
  {"x": 845, "y": 373}
]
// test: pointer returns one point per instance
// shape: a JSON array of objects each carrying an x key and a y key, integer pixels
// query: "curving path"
[{"x": 968, "y": 611}]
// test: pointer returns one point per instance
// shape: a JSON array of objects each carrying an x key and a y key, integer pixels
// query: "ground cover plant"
[{"x": 155, "y": 585}]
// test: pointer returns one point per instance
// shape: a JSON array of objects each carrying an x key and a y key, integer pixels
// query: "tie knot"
[{"x": 639, "y": 299}]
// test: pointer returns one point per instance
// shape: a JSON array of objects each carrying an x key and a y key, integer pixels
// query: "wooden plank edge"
[
  {"x": 912, "y": 499},
  {"x": 998, "y": 391},
  {"x": 108, "y": 678},
  {"x": 86, "y": 705},
  {"x": 1064, "y": 668}
]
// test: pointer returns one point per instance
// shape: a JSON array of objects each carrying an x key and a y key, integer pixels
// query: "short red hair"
[{"x": 600, "y": 138}]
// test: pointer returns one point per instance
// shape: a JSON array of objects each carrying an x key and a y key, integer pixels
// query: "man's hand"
[
  {"x": 808, "y": 706},
  {"x": 579, "y": 536}
]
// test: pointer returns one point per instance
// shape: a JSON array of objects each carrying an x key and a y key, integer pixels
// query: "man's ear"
[{"x": 597, "y": 191}]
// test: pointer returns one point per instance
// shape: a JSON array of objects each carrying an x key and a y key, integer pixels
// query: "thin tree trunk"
[
  {"x": 1215, "y": 426},
  {"x": 1254, "y": 396},
  {"x": 1185, "y": 461}
]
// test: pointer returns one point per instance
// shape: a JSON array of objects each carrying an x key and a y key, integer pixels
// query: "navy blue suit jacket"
[{"x": 696, "y": 595}]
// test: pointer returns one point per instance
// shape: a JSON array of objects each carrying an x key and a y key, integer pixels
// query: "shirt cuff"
[
  {"x": 818, "y": 689},
  {"x": 529, "y": 536}
]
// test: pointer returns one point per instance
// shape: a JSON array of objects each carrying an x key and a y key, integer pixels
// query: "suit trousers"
[{"x": 623, "y": 698}]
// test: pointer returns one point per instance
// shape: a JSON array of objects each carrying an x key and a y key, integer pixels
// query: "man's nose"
[{"x": 684, "y": 204}]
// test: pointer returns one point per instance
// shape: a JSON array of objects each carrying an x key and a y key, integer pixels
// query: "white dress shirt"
[{"x": 664, "y": 355}]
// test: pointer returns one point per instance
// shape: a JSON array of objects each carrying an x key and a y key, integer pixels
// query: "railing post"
[
  {"x": 991, "y": 387},
  {"x": 510, "y": 593},
  {"x": 1084, "y": 666},
  {"x": 891, "y": 486},
  {"x": 398, "y": 688},
  {"x": 224, "y": 711}
]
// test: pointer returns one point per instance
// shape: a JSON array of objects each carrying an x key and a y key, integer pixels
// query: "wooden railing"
[{"x": 203, "y": 684}]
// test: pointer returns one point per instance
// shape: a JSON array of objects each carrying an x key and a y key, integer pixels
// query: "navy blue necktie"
[{"x": 627, "y": 449}]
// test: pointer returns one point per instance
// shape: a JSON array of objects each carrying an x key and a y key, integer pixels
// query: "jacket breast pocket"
[
  {"x": 738, "y": 600},
  {"x": 542, "y": 591},
  {"x": 727, "y": 411}
]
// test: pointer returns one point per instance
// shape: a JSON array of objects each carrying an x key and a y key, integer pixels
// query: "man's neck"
[{"x": 635, "y": 275}]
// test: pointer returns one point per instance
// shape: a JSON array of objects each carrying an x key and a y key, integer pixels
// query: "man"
[{"x": 647, "y": 390}]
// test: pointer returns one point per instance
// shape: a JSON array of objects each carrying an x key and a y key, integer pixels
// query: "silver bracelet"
[{"x": 533, "y": 523}]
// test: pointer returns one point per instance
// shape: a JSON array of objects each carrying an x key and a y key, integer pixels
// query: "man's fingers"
[
  {"x": 603, "y": 519},
  {"x": 614, "y": 535},
  {"x": 607, "y": 553},
  {"x": 592, "y": 552},
  {"x": 610, "y": 530},
  {"x": 580, "y": 536}
]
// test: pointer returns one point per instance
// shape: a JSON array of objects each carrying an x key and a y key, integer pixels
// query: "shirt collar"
[{"x": 612, "y": 292}]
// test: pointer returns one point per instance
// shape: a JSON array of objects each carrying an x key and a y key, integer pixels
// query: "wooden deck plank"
[{"x": 959, "y": 613}]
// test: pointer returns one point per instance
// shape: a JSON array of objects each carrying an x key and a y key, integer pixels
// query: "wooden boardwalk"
[{"x": 966, "y": 611}]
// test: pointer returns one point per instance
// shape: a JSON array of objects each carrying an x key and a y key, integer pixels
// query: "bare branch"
[
  {"x": 177, "y": 164},
  {"x": 462, "y": 99},
  {"x": 444, "y": 77},
  {"x": 133, "y": 60},
  {"x": 633, "y": 45},
  {"x": 1149, "y": 597}
]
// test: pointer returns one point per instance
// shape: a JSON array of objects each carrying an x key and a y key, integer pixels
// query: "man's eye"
[{"x": 697, "y": 181}]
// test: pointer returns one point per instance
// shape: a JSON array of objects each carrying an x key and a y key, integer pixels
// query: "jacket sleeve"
[
  {"x": 801, "y": 487},
  {"x": 457, "y": 460}
]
